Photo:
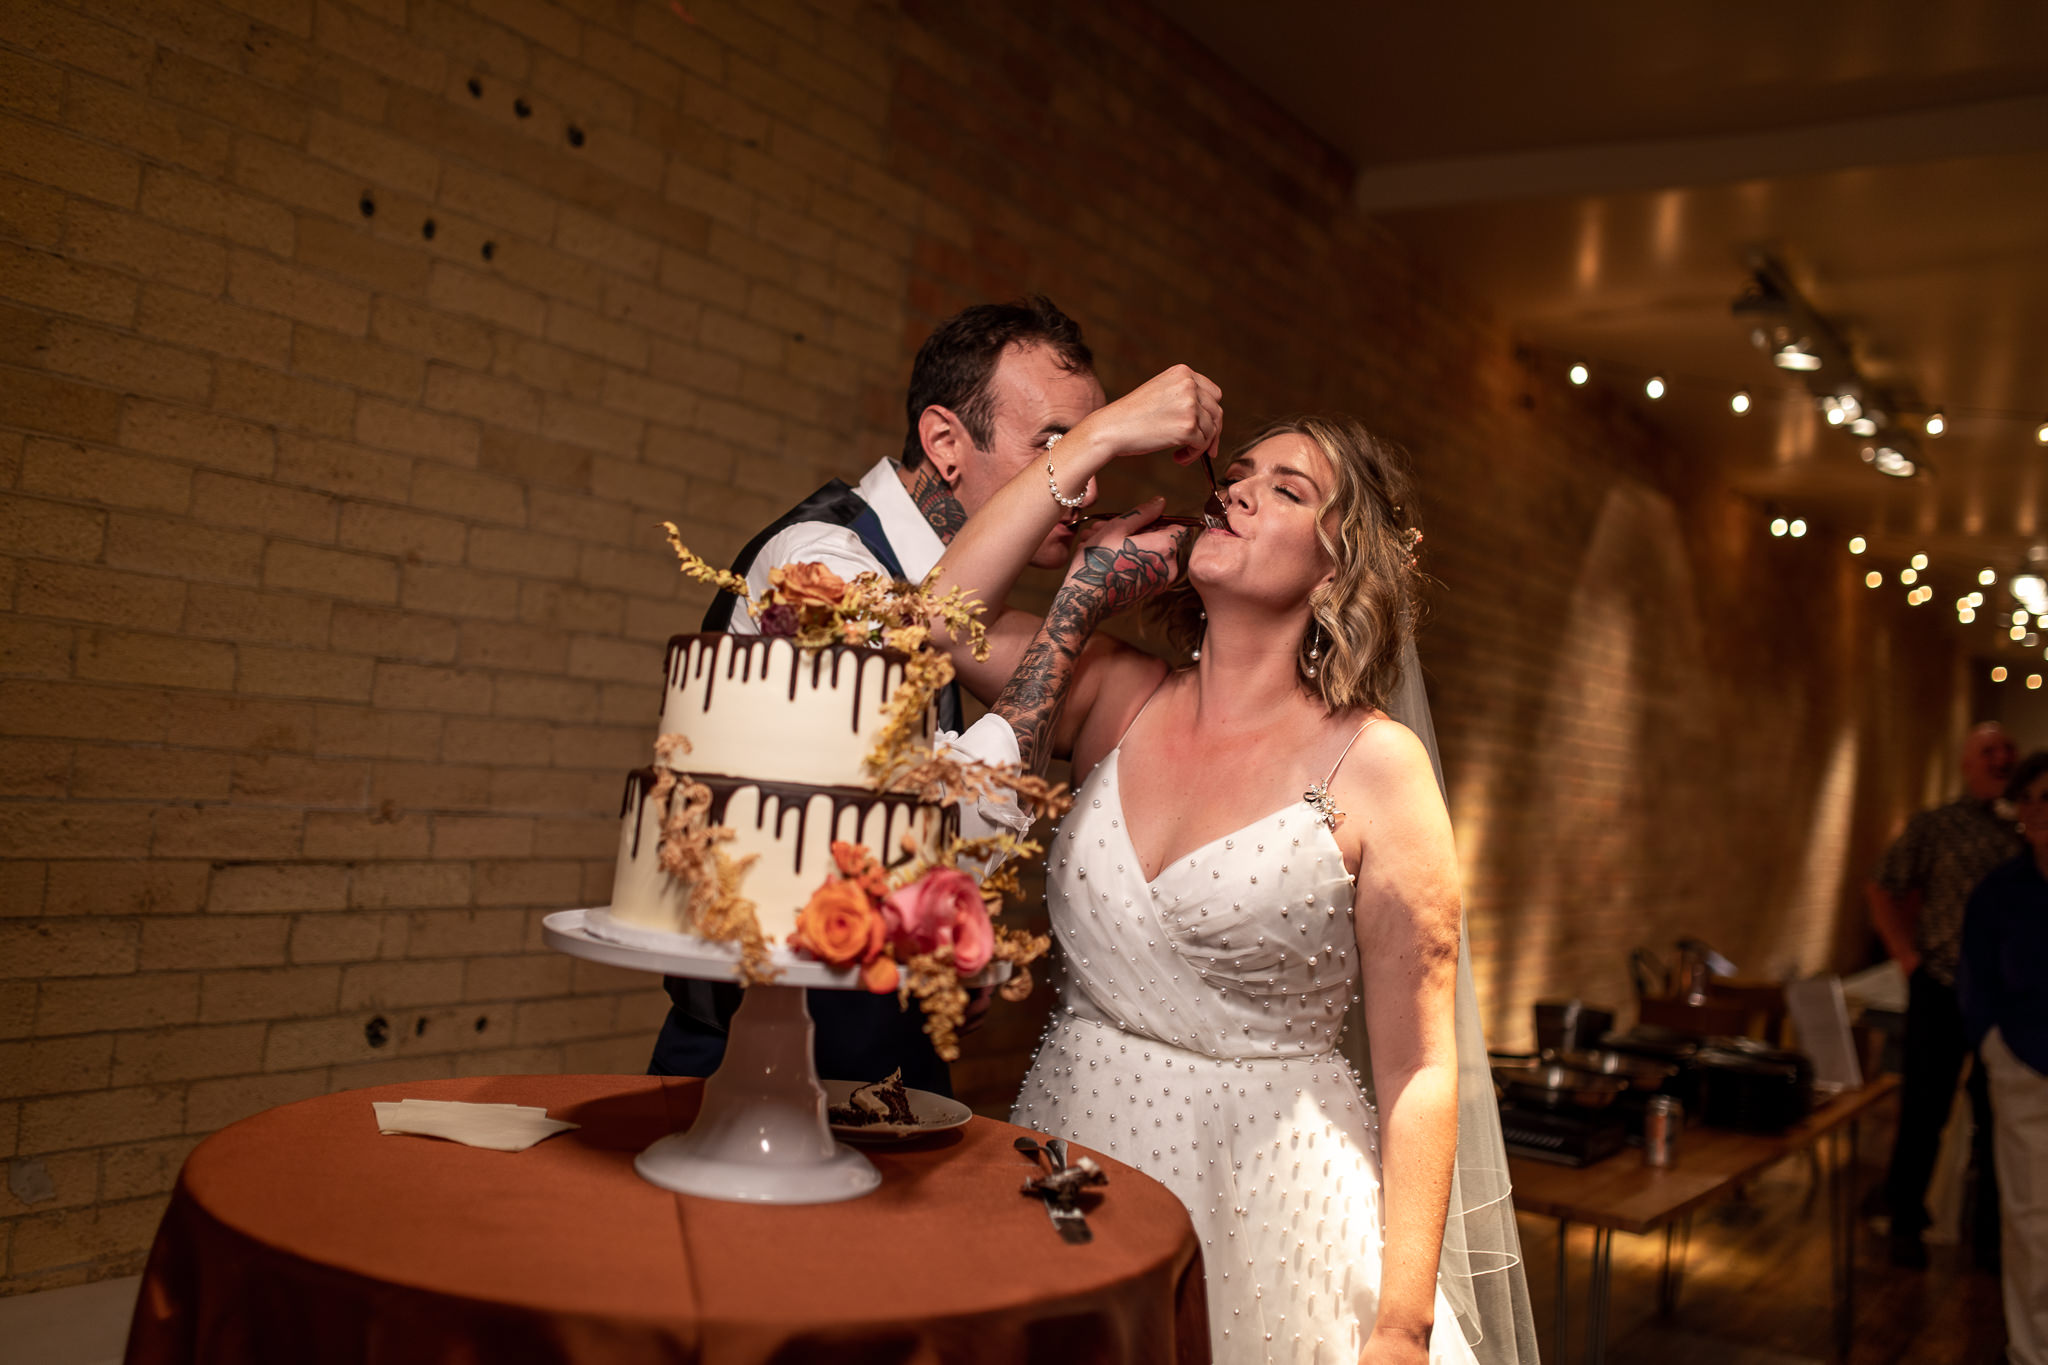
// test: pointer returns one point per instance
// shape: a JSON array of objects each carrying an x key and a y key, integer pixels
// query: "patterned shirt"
[{"x": 1942, "y": 855}]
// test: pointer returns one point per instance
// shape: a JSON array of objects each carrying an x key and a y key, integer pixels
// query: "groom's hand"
[{"x": 1177, "y": 410}]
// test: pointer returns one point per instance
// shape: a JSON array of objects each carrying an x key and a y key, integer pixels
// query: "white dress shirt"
[{"x": 917, "y": 548}]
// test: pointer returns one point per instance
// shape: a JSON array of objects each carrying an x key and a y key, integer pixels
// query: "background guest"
[
  {"x": 1917, "y": 900},
  {"x": 2003, "y": 983}
]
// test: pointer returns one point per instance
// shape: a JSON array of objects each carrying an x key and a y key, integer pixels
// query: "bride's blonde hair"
[{"x": 1360, "y": 620}]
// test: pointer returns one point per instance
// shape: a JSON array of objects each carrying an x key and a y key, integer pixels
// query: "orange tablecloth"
[{"x": 303, "y": 1235}]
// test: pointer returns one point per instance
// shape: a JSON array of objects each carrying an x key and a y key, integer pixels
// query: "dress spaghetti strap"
[
  {"x": 1332, "y": 777},
  {"x": 1141, "y": 711}
]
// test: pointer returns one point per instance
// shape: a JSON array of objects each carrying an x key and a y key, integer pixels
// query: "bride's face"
[{"x": 1270, "y": 552}]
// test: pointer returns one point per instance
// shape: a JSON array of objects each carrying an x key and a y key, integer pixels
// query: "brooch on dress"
[{"x": 1318, "y": 798}]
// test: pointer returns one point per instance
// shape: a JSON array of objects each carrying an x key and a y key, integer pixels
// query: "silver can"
[{"x": 1662, "y": 1118}]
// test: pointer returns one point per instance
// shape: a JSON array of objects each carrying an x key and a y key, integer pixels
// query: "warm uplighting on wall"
[
  {"x": 1578, "y": 373},
  {"x": 1740, "y": 402},
  {"x": 1655, "y": 389},
  {"x": 1935, "y": 425},
  {"x": 1857, "y": 545},
  {"x": 1873, "y": 579},
  {"x": 1998, "y": 673}
]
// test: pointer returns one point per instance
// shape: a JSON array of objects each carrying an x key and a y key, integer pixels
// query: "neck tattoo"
[{"x": 934, "y": 498}]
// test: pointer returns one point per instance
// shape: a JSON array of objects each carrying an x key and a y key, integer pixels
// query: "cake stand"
[{"x": 760, "y": 1135}]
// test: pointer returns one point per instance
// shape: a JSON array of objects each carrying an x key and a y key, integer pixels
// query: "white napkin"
[{"x": 501, "y": 1127}]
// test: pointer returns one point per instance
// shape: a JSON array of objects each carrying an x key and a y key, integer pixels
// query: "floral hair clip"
[{"x": 1411, "y": 540}]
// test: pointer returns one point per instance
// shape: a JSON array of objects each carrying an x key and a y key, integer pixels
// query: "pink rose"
[
  {"x": 974, "y": 938},
  {"x": 943, "y": 906}
]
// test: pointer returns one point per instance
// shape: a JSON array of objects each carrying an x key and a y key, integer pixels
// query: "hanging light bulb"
[
  {"x": 1798, "y": 527},
  {"x": 2033, "y": 682},
  {"x": 1936, "y": 424},
  {"x": 1965, "y": 616},
  {"x": 1578, "y": 373},
  {"x": 1998, "y": 673},
  {"x": 2016, "y": 633},
  {"x": 1857, "y": 545},
  {"x": 1975, "y": 599},
  {"x": 1778, "y": 526},
  {"x": 1987, "y": 576},
  {"x": 1873, "y": 579},
  {"x": 1919, "y": 561},
  {"x": 1908, "y": 575},
  {"x": 1740, "y": 402},
  {"x": 1655, "y": 388}
]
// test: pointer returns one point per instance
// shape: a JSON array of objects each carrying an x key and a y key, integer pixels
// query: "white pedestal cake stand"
[{"x": 760, "y": 1135}]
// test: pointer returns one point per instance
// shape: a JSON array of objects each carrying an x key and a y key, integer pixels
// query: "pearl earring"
[{"x": 1315, "y": 649}]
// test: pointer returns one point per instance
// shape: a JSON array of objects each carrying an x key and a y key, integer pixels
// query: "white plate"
[{"x": 929, "y": 1113}]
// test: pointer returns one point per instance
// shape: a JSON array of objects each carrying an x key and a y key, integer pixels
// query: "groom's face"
[{"x": 1034, "y": 398}]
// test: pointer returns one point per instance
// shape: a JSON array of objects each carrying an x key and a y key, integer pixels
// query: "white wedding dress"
[{"x": 1196, "y": 1039}]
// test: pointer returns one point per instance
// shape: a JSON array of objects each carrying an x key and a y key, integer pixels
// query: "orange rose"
[
  {"x": 808, "y": 584},
  {"x": 839, "y": 925}
]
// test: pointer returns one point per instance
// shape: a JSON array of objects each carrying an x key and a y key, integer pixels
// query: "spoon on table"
[{"x": 1034, "y": 1151}]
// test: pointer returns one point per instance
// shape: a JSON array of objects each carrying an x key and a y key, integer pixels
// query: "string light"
[
  {"x": 1798, "y": 527},
  {"x": 1740, "y": 402},
  {"x": 2019, "y": 617},
  {"x": 1873, "y": 579},
  {"x": 1655, "y": 388},
  {"x": 2017, "y": 633},
  {"x": 1908, "y": 575},
  {"x": 1779, "y": 526},
  {"x": 2033, "y": 682},
  {"x": 1965, "y": 615},
  {"x": 1987, "y": 576},
  {"x": 1998, "y": 673},
  {"x": 1857, "y": 545},
  {"x": 1936, "y": 424},
  {"x": 1975, "y": 599},
  {"x": 1578, "y": 373},
  {"x": 2041, "y": 433},
  {"x": 1919, "y": 561}
]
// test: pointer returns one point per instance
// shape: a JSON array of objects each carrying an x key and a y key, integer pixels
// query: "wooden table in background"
[{"x": 1621, "y": 1194}]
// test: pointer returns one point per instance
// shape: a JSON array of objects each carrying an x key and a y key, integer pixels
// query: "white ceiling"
[{"x": 1598, "y": 177}]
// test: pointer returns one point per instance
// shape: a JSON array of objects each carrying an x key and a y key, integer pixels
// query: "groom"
[{"x": 988, "y": 388}]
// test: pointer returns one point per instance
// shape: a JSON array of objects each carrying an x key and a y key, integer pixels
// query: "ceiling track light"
[{"x": 1792, "y": 331}]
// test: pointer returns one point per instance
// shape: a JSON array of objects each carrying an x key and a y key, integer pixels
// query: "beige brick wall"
[{"x": 331, "y": 606}]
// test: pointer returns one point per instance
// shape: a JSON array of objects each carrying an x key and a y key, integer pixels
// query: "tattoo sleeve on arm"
[
  {"x": 935, "y": 501},
  {"x": 1105, "y": 582}
]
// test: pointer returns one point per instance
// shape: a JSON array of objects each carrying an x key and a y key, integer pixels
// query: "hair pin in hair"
[{"x": 1411, "y": 540}]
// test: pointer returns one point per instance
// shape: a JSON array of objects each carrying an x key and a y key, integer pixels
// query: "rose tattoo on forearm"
[{"x": 1105, "y": 582}]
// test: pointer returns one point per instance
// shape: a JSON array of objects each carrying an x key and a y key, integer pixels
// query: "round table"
[{"x": 303, "y": 1234}]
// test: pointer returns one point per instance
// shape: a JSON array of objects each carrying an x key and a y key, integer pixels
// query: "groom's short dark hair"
[{"x": 957, "y": 360}]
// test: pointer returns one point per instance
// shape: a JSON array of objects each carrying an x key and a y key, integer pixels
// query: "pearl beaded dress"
[{"x": 1196, "y": 1039}]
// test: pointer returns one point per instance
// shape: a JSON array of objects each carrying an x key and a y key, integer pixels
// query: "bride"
[{"x": 1253, "y": 839}]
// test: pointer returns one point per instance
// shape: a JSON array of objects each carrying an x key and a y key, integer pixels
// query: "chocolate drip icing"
[
  {"x": 782, "y": 800},
  {"x": 639, "y": 784},
  {"x": 695, "y": 658}
]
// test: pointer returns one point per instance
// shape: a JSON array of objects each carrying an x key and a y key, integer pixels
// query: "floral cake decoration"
[{"x": 913, "y": 927}]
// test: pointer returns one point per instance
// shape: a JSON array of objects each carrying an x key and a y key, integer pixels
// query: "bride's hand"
[
  {"x": 1177, "y": 410},
  {"x": 1118, "y": 564}
]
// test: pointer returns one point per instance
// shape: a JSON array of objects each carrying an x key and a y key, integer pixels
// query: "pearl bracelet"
[{"x": 1052, "y": 480}]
